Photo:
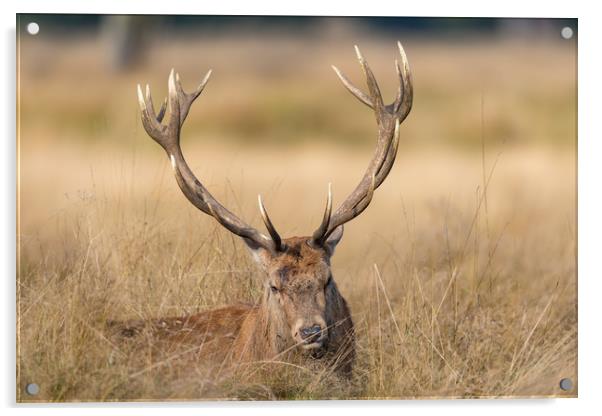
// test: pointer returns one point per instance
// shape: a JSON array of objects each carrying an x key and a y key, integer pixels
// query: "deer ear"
[
  {"x": 333, "y": 239},
  {"x": 259, "y": 253}
]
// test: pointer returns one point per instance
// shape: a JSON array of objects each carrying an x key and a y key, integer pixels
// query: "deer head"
[{"x": 299, "y": 289}]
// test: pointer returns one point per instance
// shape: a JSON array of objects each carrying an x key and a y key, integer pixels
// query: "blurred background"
[
  {"x": 483, "y": 193},
  {"x": 495, "y": 83}
]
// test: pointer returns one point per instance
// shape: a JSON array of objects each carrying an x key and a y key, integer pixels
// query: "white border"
[{"x": 590, "y": 206}]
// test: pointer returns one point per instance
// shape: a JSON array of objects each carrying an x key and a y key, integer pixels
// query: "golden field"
[{"x": 461, "y": 275}]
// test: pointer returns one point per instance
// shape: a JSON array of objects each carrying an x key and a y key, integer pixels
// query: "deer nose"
[{"x": 311, "y": 331}]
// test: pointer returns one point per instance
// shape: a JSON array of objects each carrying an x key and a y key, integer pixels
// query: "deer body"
[{"x": 301, "y": 314}]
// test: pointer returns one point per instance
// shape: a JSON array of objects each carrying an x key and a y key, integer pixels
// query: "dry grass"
[{"x": 461, "y": 276}]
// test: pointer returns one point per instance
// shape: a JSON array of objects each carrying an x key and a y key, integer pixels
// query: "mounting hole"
[
  {"x": 566, "y": 32},
  {"x": 32, "y": 389},
  {"x": 33, "y": 28},
  {"x": 566, "y": 384}
]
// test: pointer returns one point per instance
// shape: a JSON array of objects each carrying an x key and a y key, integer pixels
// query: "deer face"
[{"x": 299, "y": 286}]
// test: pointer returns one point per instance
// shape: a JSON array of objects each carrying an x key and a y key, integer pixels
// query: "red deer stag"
[{"x": 301, "y": 311}]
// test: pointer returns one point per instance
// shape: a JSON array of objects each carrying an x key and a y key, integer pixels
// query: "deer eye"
[{"x": 274, "y": 289}]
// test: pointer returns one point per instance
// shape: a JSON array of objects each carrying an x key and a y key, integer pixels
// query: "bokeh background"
[{"x": 468, "y": 249}]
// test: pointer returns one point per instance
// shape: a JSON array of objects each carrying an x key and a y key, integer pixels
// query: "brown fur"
[{"x": 306, "y": 294}]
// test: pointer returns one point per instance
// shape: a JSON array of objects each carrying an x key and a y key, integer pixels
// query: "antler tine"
[
  {"x": 168, "y": 136},
  {"x": 204, "y": 82},
  {"x": 149, "y": 101},
  {"x": 400, "y": 89},
  {"x": 153, "y": 127},
  {"x": 174, "y": 123},
  {"x": 269, "y": 226},
  {"x": 405, "y": 95},
  {"x": 321, "y": 231},
  {"x": 375, "y": 96},
  {"x": 359, "y": 94},
  {"x": 151, "y": 106}
]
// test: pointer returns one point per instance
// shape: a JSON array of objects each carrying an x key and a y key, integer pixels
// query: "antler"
[
  {"x": 168, "y": 136},
  {"x": 388, "y": 119}
]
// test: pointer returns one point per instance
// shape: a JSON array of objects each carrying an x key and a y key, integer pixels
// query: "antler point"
[
  {"x": 141, "y": 98},
  {"x": 261, "y": 207},
  {"x": 205, "y": 79},
  {"x": 404, "y": 58},
  {"x": 338, "y": 72},
  {"x": 358, "y": 53},
  {"x": 172, "y": 84}
]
